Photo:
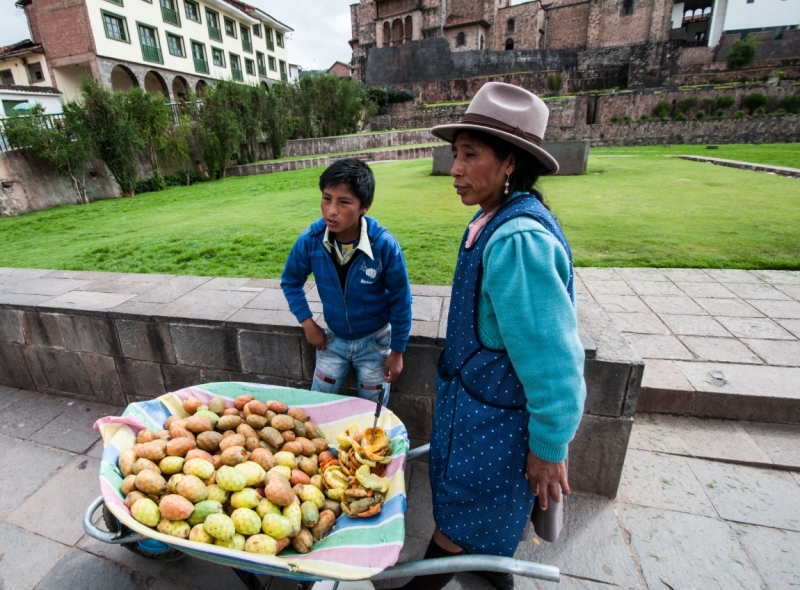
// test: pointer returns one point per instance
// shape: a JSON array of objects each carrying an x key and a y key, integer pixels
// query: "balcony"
[
  {"x": 215, "y": 33},
  {"x": 200, "y": 66},
  {"x": 270, "y": 44},
  {"x": 237, "y": 74},
  {"x": 170, "y": 16},
  {"x": 247, "y": 45},
  {"x": 262, "y": 70},
  {"x": 284, "y": 77},
  {"x": 152, "y": 54}
]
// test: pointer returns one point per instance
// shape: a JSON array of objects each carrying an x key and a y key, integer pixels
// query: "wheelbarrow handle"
[
  {"x": 418, "y": 452},
  {"x": 471, "y": 563},
  {"x": 117, "y": 538}
]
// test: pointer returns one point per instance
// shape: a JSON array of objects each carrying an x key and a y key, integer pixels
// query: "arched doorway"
[
  {"x": 397, "y": 32},
  {"x": 123, "y": 79},
  {"x": 509, "y": 44},
  {"x": 265, "y": 86},
  {"x": 179, "y": 88},
  {"x": 154, "y": 83},
  {"x": 387, "y": 34},
  {"x": 200, "y": 88}
]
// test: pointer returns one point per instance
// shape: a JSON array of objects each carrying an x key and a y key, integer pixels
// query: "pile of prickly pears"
[{"x": 245, "y": 476}]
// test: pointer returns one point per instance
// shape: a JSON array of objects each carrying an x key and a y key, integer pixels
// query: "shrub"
[
  {"x": 555, "y": 82},
  {"x": 725, "y": 101},
  {"x": 791, "y": 103},
  {"x": 684, "y": 105},
  {"x": 152, "y": 119},
  {"x": 720, "y": 114},
  {"x": 378, "y": 96},
  {"x": 662, "y": 109},
  {"x": 680, "y": 117},
  {"x": 760, "y": 112},
  {"x": 707, "y": 104},
  {"x": 644, "y": 118},
  {"x": 614, "y": 119},
  {"x": 739, "y": 114},
  {"x": 743, "y": 53},
  {"x": 754, "y": 101},
  {"x": 627, "y": 119},
  {"x": 700, "y": 115},
  {"x": 780, "y": 113},
  {"x": 395, "y": 96},
  {"x": 278, "y": 121}
]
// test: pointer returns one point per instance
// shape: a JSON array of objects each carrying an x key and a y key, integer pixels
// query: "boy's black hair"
[{"x": 352, "y": 173}]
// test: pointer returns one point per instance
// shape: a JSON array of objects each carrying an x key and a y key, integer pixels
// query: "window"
[
  {"x": 8, "y": 105},
  {"x": 461, "y": 39},
  {"x": 284, "y": 75},
  {"x": 387, "y": 34},
  {"x": 199, "y": 57},
  {"x": 230, "y": 28},
  {"x": 175, "y": 45},
  {"x": 511, "y": 24},
  {"x": 509, "y": 44},
  {"x": 192, "y": 10},
  {"x": 116, "y": 27},
  {"x": 148, "y": 38},
  {"x": 246, "y": 44},
  {"x": 627, "y": 7},
  {"x": 117, "y": 2},
  {"x": 212, "y": 20},
  {"x": 249, "y": 67},
  {"x": 268, "y": 34},
  {"x": 236, "y": 68},
  {"x": 409, "y": 28},
  {"x": 279, "y": 38},
  {"x": 7, "y": 77},
  {"x": 272, "y": 65},
  {"x": 169, "y": 12},
  {"x": 218, "y": 56},
  {"x": 35, "y": 73},
  {"x": 257, "y": 30},
  {"x": 262, "y": 67}
]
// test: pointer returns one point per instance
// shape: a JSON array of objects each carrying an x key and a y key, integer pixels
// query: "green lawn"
[
  {"x": 634, "y": 208},
  {"x": 775, "y": 154}
]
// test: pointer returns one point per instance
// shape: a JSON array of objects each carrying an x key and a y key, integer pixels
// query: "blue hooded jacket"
[{"x": 376, "y": 292}]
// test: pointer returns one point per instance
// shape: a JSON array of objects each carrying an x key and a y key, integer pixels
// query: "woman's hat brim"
[{"x": 448, "y": 132}]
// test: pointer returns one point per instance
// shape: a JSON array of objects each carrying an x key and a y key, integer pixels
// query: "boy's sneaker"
[{"x": 498, "y": 580}]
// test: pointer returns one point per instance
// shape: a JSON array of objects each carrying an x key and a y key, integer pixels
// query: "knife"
[{"x": 378, "y": 408}]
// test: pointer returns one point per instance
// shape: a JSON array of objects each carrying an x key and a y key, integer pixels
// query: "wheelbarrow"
[{"x": 361, "y": 563}]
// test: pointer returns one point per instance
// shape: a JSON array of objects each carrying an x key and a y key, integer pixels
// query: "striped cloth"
[{"x": 355, "y": 549}]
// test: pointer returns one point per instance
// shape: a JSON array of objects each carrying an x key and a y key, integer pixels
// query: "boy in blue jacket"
[{"x": 362, "y": 281}]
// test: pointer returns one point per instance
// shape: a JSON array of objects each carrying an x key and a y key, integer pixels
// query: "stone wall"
[
  {"x": 566, "y": 25},
  {"x": 352, "y": 143}
]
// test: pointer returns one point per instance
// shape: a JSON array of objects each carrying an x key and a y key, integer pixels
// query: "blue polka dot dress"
[{"x": 479, "y": 442}]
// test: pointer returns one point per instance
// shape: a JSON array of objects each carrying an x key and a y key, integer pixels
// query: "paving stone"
[
  {"x": 728, "y": 307},
  {"x": 789, "y": 310},
  {"x": 591, "y": 544},
  {"x": 270, "y": 299},
  {"x": 755, "y": 328},
  {"x": 774, "y": 553},
  {"x": 672, "y": 305},
  {"x": 639, "y": 323},
  {"x": 419, "y": 514},
  {"x": 732, "y": 275},
  {"x": 597, "y": 288},
  {"x": 747, "y": 494},
  {"x": 140, "y": 378},
  {"x": 262, "y": 317},
  {"x": 263, "y": 284},
  {"x": 11, "y": 326},
  {"x": 47, "y": 286},
  {"x": 687, "y": 275},
  {"x": 756, "y": 291},
  {"x": 96, "y": 450},
  {"x": 14, "y": 370},
  {"x": 15, "y": 275},
  {"x": 728, "y": 350},
  {"x": 145, "y": 341},
  {"x": 777, "y": 352},
  {"x": 25, "y": 558},
  {"x": 792, "y": 325},
  {"x": 431, "y": 290},
  {"x": 42, "y": 329},
  {"x": 781, "y": 442},
  {"x": 442, "y": 334},
  {"x": 23, "y": 300},
  {"x": 171, "y": 290},
  {"x": 93, "y": 275},
  {"x": 622, "y": 303},
  {"x": 209, "y": 305},
  {"x": 73, "y": 430},
  {"x": 206, "y": 346},
  {"x": 705, "y": 290},
  {"x": 115, "y": 286},
  {"x": 679, "y": 550},
  {"x": 642, "y": 274},
  {"x": 312, "y": 293},
  {"x": 763, "y": 381},
  {"x": 88, "y": 300},
  {"x": 138, "y": 309},
  {"x": 140, "y": 277},
  {"x": 664, "y": 389},
  {"x": 696, "y": 437},
  {"x": 9, "y": 395},
  {"x": 56, "y": 510},
  {"x": 224, "y": 284},
  {"x": 662, "y": 481},
  {"x": 426, "y": 309},
  {"x": 424, "y": 330},
  {"x": 778, "y": 277},
  {"x": 65, "y": 371},
  {"x": 570, "y": 583},
  {"x": 655, "y": 288},
  {"x": 30, "y": 412},
  {"x": 270, "y": 354},
  {"x": 693, "y": 325},
  {"x": 659, "y": 347},
  {"x": 19, "y": 479},
  {"x": 595, "y": 273},
  {"x": 792, "y": 291},
  {"x": 90, "y": 334},
  {"x": 179, "y": 376}
]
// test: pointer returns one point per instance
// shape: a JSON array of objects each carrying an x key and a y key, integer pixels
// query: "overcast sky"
[{"x": 321, "y": 28}]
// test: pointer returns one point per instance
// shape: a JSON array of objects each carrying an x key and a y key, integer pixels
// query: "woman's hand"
[
  {"x": 545, "y": 477},
  {"x": 314, "y": 334}
]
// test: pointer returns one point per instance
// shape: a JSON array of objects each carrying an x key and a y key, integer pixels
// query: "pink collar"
[{"x": 476, "y": 226}]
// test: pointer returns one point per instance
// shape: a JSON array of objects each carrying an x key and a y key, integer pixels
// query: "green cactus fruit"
[
  {"x": 230, "y": 479},
  {"x": 208, "y": 414},
  {"x": 280, "y": 471},
  {"x": 199, "y": 467},
  {"x": 219, "y": 526},
  {"x": 253, "y": 472},
  {"x": 174, "y": 528},
  {"x": 217, "y": 494},
  {"x": 199, "y": 534},
  {"x": 295, "y": 516},
  {"x": 236, "y": 542},
  {"x": 246, "y": 498},
  {"x": 286, "y": 459},
  {"x": 276, "y": 526},
  {"x": 263, "y": 544},
  {"x": 266, "y": 507},
  {"x": 246, "y": 521},
  {"x": 146, "y": 511},
  {"x": 201, "y": 408},
  {"x": 310, "y": 493},
  {"x": 172, "y": 484},
  {"x": 171, "y": 465},
  {"x": 310, "y": 514},
  {"x": 202, "y": 510}
]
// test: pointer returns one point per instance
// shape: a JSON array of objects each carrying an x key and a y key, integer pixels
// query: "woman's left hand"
[{"x": 545, "y": 477}]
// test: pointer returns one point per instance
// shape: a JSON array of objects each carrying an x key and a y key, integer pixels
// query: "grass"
[
  {"x": 634, "y": 208},
  {"x": 776, "y": 154}
]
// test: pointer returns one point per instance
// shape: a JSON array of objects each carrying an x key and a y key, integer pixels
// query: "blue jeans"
[{"x": 366, "y": 355}]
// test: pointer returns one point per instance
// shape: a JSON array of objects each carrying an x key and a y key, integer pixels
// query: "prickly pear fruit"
[
  {"x": 217, "y": 405},
  {"x": 132, "y": 497},
  {"x": 126, "y": 461},
  {"x": 199, "y": 534},
  {"x": 252, "y": 471},
  {"x": 236, "y": 542},
  {"x": 276, "y": 526},
  {"x": 174, "y": 528},
  {"x": 219, "y": 526},
  {"x": 191, "y": 488},
  {"x": 202, "y": 510},
  {"x": 285, "y": 458},
  {"x": 128, "y": 484},
  {"x": 295, "y": 516},
  {"x": 217, "y": 494},
  {"x": 279, "y": 491},
  {"x": 310, "y": 493},
  {"x": 171, "y": 465},
  {"x": 172, "y": 484},
  {"x": 310, "y": 514},
  {"x": 175, "y": 507},
  {"x": 146, "y": 511},
  {"x": 199, "y": 467},
  {"x": 230, "y": 479},
  {"x": 246, "y": 498},
  {"x": 266, "y": 507},
  {"x": 143, "y": 464},
  {"x": 150, "y": 482},
  {"x": 303, "y": 541},
  {"x": 208, "y": 414},
  {"x": 280, "y": 471},
  {"x": 246, "y": 521},
  {"x": 263, "y": 544}
]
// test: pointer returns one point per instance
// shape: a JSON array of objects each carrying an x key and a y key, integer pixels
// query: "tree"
[
  {"x": 278, "y": 120},
  {"x": 754, "y": 101},
  {"x": 555, "y": 82},
  {"x": 183, "y": 135},
  {"x": 222, "y": 132},
  {"x": 725, "y": 102},
  {"x": 663, "y": 109},
  {"x": 152, "y": 119},
  {"x": 64, "y": 150},
  {"x": 743, "y": 52}
]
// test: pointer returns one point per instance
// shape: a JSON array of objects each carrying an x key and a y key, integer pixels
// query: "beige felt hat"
[{"x": 509, "y": 112}]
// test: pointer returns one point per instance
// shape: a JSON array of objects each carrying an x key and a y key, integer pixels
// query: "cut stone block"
[
  {"x": 778, "y": 277},
  {"x": 42, "y": 329},
  {"x": 641, "y": 274},
  {"x": 774, "y": 553},
  {"x": 757, "y": 291},
  {"x": 733, "y": 275},
  {"x": 140, "y": 378},
  {"x": 655, "y": 288},
  {"x": 598, "y": 273},
  {"x": 792, "y": 325},
  {"x": 422, "y": 380},
  {"x": 23, "y": 300},
  {"x": 789, "y": 310},
  {"x": 102, "y": 372},
  {"x": 597, "y": 453},
  {"x": 597, "y": 287},
  {"x": 118, "y": 286},
  {"x": 777, "y": 352},
  {"x": 606, "y": 386},
  {"x": 206, "y": 305},
  {"x": 14, "y": 370},
  {"x": 659, "y": 347},
  {"x": 714, "y": 290},
  {"x": 419, "y": 514},
  {"x": 88, "y": 301},
  {"x": 65, "y": 371},
  {"x": 26, "y": 557},
  {"x": 623, "y": 303},
  {"x": 727, "y": 350},
  {"x": 270, "y": 299},
  {"x": 171, "y": 290},
  {"x": 178, "y": 376},
  {"x": 426, "y": 309},
  {"x": 11, "y": 326},
  {"x": 145, "y": 341},
  {"x": 639, "y": 323},
  {"x": 90, "y": 334},
  {"x": 47, "y": 286},
  {"x": 781, "y": 442},
  {"x": 205, "y": 346},
  {"x": 694, "y": 325},
  {"x": 270, "y": 354},
  {"x": 755, "y": 328},
  {"x": 728, "y": 307},
  {"x": 424, "y": 331},
  {"x": 415, "y": 411},
  {"x": 792, "y": 291},
  {"x": 224, "y": 284},
  {"x": 250, "y": 318},
  {"x": 662, "y": 304},
  {"x": 572, "y": 156},
  {"x": 9, "y": 395}
]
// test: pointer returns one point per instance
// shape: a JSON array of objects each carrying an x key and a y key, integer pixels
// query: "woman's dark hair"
[
  {"x": 527, "y": 168},
  {"x": 352, "y": 173}
]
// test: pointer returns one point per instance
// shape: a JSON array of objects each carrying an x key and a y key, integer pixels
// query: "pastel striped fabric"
[{"x": 355, "y": 549}]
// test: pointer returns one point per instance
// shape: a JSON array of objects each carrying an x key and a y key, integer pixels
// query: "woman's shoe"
[{"x": 498, "y": 580}]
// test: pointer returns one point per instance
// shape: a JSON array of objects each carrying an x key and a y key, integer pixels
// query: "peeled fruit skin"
[
  {"x": 276, "y": 526},
  {"x": 199, "y": 468},
  {"x": 143, "y": 464},
  {"x": 263, "y": 544},
  {"x": 230, "y": 479},
  {"x": 279, "y": 491},
  {"x": 146, "y": 511},
  {"x": 202, "y": 510},
  {"x": 199, "y": 534},
  {"x": 236, "y": 542},
  {"x": 324, "y": 526},
  {"x": 126, "y": 461},
  {"x": 303, "y": 541},
  {"x": 266, "y": 507},
  {"x": 219, "y": 526},
  {"x": 217, "y": 494},
  {"x": 175, "y": 507},
  {"x": 171, "y": 465},
  {"x": 150, "y": 482},
  {"x": 254, "y": 473},
  {"x": 192, "y": 488},
  {"x": 174, "y": 528},
  {"x": 246, "y": 521},
  {"x": 310, "y": 514}
]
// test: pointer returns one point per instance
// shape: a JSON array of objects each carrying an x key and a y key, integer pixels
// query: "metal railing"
[
  {"x": 237, "y": 74},
  {"x": 200, "y": 66},
  {"x": 170, "y": 16},
  {"x": 150, "y": 53},
  {"x": 262, "y": 70},
  {"x": 270, "y": 44},
  {"x": 247, "y": 45},
  {"x": 50, "y": 121},
  {"x": 215, "y": 33},
  {"x": 284, "y": 77}
]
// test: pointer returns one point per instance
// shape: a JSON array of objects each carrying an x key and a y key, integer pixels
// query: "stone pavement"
[
  {"x": 716, "y": 343},
  {"x": 703, "y": 504}
]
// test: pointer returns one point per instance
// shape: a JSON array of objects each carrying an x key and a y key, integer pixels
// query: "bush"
[
  {"x": 754, "y": 101},
  {"x": 680, "y": 117},
  {"x": 725, "y": 102},
  {"x": 720, "y": 114},
  {"x": 644, "y": 118},
  {"x": 177, "y": 179},
  {"x": 791, "y": 103},
  {"x": 739, "y": 114},
  {"x": 614, "y": 119},
  {"x": 684, "y": 105},
  {"x": 743, "y": 53},
  {"x": 378, "y": 96},
  {"x": 662, "y": 109},
  {"x": 760, "y": 112},
  {"x": 627, "y": 119},
  {"x": 395, "y": 96},
  {"x": 707, "y": 104},
  {"x": 781, "y": 113},
  {"x": 700, "y": 115},
  {"x": 555, "y": 82}
]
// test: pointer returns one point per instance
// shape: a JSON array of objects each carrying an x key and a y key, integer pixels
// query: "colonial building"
[{"x": 162, "y": 46}]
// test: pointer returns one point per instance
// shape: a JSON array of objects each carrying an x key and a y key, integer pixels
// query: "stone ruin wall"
[{"x": 567, "y": 25}]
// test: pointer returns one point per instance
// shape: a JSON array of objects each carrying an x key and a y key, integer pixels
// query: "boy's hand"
[
  {"x": 393, "y": 367},
  {"x": 314, "y": 334}
]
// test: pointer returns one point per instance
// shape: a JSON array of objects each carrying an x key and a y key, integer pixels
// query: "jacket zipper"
[{"x": 347, "y": 279}]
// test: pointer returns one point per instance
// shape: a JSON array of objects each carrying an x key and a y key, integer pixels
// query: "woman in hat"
[{"x": 510, "y": 386}]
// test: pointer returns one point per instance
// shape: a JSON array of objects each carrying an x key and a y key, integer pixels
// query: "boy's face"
[{"x": 341, "y": 210}]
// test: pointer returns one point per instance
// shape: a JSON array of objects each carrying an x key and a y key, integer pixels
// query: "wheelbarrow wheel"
[{"x": 150, "y": 548}]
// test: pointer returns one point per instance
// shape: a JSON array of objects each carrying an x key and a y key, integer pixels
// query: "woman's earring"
[{"x": 507, "y": 177}]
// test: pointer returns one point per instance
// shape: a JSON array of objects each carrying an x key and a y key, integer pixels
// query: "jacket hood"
[{"x": 374, "y": 229}]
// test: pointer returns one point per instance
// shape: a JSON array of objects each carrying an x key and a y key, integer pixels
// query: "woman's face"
[{"x": 479, "y": 175}]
